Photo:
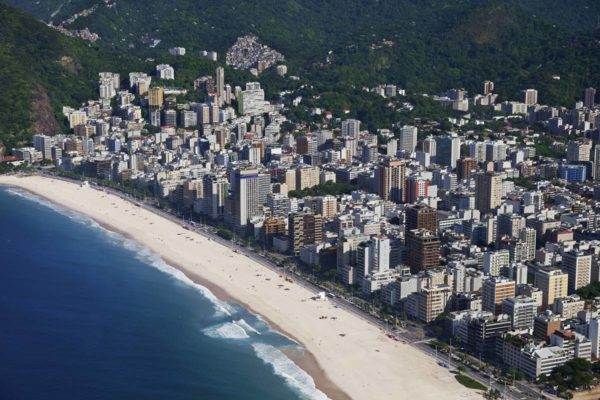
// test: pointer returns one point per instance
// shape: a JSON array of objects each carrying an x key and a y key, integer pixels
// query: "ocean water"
[{"x": 88, "y": 314}]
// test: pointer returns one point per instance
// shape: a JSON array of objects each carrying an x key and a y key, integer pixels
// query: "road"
[{"x": 519, "y": 391}]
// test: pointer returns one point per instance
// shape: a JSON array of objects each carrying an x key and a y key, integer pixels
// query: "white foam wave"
[
  {"x": 53, "y": 206},
  {"x": 294, "y": 376},
  {"x": 148, "y": 256},
  {"x": 228, "y": 330},
  {"x": 246, "y": 326}
]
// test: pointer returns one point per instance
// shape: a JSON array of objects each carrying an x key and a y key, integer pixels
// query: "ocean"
[{"x": 86, "y": 313}]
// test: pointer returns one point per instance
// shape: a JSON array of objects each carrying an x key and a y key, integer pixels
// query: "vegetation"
[
  {"x": 329, "y": 188},
  {"x": 590, "y": 291},
  {"x": 576, "y": 374},
  {"x": 424, "y": 46},
  {"x": 469, "y": 382},
  {"x": 225, "y": 233}
]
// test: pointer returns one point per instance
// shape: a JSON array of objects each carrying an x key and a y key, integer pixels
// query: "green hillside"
[
  {"x": 41, "y": 70},
  {"x": 436, "y": 44}
]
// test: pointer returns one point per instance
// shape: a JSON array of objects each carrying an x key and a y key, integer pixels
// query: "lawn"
[{"x": 469, "y": 382}]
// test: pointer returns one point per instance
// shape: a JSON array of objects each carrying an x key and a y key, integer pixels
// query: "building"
[
  {"x": 327, "y": 206},
  {"x": 464, "y": 167},
  {"x": 578, "y": 151},
  {"x": 245, "y": 189},
  {"x": 589, "y": 97},
  {"x": 220, "y": 85},
  {"x": 408, "y": 139},
  {"x": 447, "y": 150},
  {"x": 429, "y": 303},
  {"x": 530, "y": 97},
  {"x": 495, "y": 263},
  {"x": 390, "y": 180},
  {"x": 521, "y": 310},
  {"x": 488, "y": 191},
  {"x": 572, "y": 172},
  {"x": 494, "y": 291},
  {"x": 351, "y": 128},
  {"x": 421, "y": 217},
  {"x": 273, "y": 227},
  {"x": 578, "y": 266},
  {"x": 430, "y": 146},
  {"x": 423, "y": 250},
  {"x": 155, "y": 97},
  {"x": 304, "y": 229},
  {"x": 553, "y": 283},
  {"x": 165, "y": 71},
  {"x": 306, "y": 177},
  {"x": 488, "y": 87},
  {"x": 373, "y": 256},
  {"x": 43, "y": 144},
  {"x": 252, "y": 100},
  {"x": 545, "y": 325}
]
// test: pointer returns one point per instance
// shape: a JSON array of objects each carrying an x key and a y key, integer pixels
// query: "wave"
[
  {"x": 73, "y": 215},
  {"x": 153, "y": 259},
  {"x": 293, "y": 375},
  {"x": 228, "y": 330},
  {"x": 142, "y": 253},
  {"x": 246, "y": 326}
]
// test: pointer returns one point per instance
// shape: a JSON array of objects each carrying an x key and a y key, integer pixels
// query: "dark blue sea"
[{"x": 88, "y": 314}]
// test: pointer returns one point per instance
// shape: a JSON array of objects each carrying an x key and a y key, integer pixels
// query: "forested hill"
[
  {"x": 41, "y": 70},
  {"x": 423, "y": 45}
]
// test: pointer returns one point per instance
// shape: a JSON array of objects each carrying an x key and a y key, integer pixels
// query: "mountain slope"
[
  {"x": 432, "y": 44},
  {"x": 43, "y": 70}
]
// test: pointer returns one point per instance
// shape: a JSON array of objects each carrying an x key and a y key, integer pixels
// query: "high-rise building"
[
  {"x": 488, "y": 191},
  {"x": 596, "y": 170},
  {"x": 423, "y": 250},
  {"x": 155, "y": 97},
  {"x": 488, "y": 87},
  {"x": 165, "y": 71},
  {"x": 529, "y": 236},
  {"x": 553, "y": 283},
  {"x": 170, "y": 118},
  {"x": 373, "y": 256},
  {"x": 390, "y": 180},
  {"x": 351, "y": 127},
  {"x": 327, "y": 206},
  {"x": 408, "y": 139},
  {"x": 245, "y": 195},
  {"x": 589, "y": 97},
  {"x": 448, "y": 150},
  {"x": 416, "y": 188},
  {"x": 43, "y": 143},
  {"x": 521, "y": 310},
  {"x": 578, "y": 266},
  {"x": 578, "y": 151},
  {"x": 304, "y": 229},
  {"x": 464, "y": 167},
  {"x": 215, "y": 189},
  {"x": 495, "y": 263},
  {"x": 530, "y": 96},
  {"x": 494, "y": 291},
  {"x": 430, "y": 146},
  {"x": 220, "y": 83},
  {"x": 252, "y": 100},
  {"x": 306, "y": 177},
  {"x": 421, "y": 217}
]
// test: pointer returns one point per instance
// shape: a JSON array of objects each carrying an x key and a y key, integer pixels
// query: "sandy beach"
[{"x": 363, "y": 364}]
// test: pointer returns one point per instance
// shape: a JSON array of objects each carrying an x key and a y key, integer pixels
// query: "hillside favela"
[{"x": 334, "y": 199}]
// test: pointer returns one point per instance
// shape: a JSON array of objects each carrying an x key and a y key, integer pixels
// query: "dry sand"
[{"x": 363, "y": 364}]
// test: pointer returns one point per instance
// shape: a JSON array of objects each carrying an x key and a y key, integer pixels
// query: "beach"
[{"x": 347, "y": 356}]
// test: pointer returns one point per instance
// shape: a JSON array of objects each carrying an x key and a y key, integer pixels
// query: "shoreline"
[
  {"x": 304, "y": 359},
  {"x": 327, "y": 357}
]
